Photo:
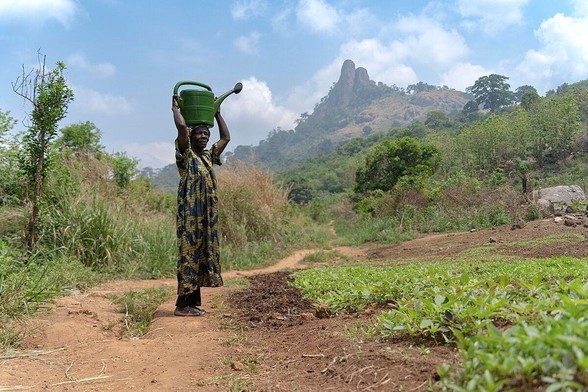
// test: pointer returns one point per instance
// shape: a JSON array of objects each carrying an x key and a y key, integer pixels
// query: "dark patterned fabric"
[
  {"x": 197, "y": 220},
  {"x": 193, "y": 299}
]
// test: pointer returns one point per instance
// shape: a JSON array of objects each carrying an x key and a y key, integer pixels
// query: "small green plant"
[
  {"x": 385, "y": 230},
  {"x": 139, "y": 308},
  {"x": 533, "y": 212},
  {"x": 319, "y": 257}
]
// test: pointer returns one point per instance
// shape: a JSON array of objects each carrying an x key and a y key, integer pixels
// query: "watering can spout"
[{"x": 236, "y": 90}]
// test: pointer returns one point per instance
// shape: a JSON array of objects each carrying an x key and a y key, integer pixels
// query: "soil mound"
[{"x": 271, "y": 303}]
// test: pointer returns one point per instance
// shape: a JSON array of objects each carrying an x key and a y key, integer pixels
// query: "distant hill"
[{"x": 354, "y": 107}]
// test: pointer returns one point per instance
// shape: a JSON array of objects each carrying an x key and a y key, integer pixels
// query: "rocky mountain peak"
[{"x": 349, "y": 81}]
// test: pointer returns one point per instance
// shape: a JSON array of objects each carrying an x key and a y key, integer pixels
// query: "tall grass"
[
  {"x": 258, "y": 224},
  {"x": 126, "y": 232},
  {"x": 91, "y": 229},
  {"x": 453, "y": 205},
  {"x": 131, "y": 231}
]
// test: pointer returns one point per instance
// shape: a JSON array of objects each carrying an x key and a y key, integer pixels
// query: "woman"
[{"x": 197, "y": 216}]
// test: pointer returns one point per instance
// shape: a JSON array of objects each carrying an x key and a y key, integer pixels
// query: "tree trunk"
[{"x": 31, "y": 237}]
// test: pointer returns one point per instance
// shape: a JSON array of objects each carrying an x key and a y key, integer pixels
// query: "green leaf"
[
  {"x": 440, "y": 300},
  {"x": 426, "y": 323}
]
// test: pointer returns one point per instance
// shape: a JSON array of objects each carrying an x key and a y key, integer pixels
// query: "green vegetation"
[
  {"x": 49, "y": 96},
  {"x": 97, "y": 219},
  {"x": 139, "y": 308},
  {"x": 464, "y": 171},
  {"x": 517, "y": 324},
  {"x": 492, "y": 92},
  {"x": 392, "y": 161}
]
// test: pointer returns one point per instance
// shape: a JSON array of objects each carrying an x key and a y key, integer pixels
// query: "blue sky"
[{"x": 125, "y": 56}]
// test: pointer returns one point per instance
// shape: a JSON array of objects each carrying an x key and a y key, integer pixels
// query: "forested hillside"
[
  {"x": 354, "y": 107},
  {"x": 488, "y": 137}
]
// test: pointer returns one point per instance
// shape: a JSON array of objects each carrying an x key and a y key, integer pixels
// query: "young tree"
[
  {"x": 47, "y": 92},
  {"x": 6, "y": 124},
  {"x": 391, "y": 160},
  {"x": 492, "y": 92},
  {"x": 81, "y": 137},
  {"x": 124, "y": 168},
  {"x": 440, "y": 122},
  {"x": 555, "y": 123},
  {"x": 470, "y": 113}
]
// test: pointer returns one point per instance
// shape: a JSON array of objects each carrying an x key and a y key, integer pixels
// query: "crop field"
[{"x": 517, "y": 324}]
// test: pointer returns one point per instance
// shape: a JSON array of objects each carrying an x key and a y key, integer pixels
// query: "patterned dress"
[{"x": 197, "y": 221}]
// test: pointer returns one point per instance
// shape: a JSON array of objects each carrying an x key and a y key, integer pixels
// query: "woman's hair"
[{"x": 193, "y": 128}]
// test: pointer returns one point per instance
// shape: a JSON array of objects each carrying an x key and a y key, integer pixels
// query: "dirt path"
[
  {"x": 261, "y": 338},
  {"x": 72, "y": 348}
]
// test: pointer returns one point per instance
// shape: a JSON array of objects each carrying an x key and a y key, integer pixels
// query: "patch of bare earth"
[
  {"x": 297, "y": 347},
  {"x": 262, "y": 337},
  {"x": 537, "y": 239}
]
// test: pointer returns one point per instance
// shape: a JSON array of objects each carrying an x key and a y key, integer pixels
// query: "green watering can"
[{"x": 200, "y": 106}]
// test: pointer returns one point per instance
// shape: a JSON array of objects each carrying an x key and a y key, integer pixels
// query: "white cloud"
[
  {"x": 155, "y": 155},
  {"x": 38, "y": 10},
  {"x": 101, "y": 71},
  {"x": 281, "y": 21},
  {"x": 252, "y": 114},
  {"x": 563, "y": 55},
  {"x": 491, "y": 16},
  {"x": 425, "y": 40},
  {"x": 245, "y": 9},
  {"x": 318, "y": 15},
  {"x": 580, "y": 8},
  {"x": 360, "y": 21},
  {"x": 463, "y": 75},
  {"x": 90, "y": 101},
  {"x": 248, "y": 44}
]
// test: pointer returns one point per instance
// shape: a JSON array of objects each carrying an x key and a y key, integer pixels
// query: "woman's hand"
[{"x": 175, "y": 104}]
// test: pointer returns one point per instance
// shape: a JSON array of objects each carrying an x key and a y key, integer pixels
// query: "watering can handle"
[{"x": 191, "y": 83}]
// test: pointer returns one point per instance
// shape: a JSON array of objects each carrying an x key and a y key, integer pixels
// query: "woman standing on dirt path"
[{"x": 197, "y": 216}]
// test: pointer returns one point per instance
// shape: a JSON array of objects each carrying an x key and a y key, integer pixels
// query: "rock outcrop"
[
  {"x": 557, "y": 199},
  {"x": 350, "y": 81}
]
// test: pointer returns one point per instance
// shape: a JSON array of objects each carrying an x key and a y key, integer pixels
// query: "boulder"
[
  {"x": 545, "y": 207},
  {"x": 562, "y": 196}
]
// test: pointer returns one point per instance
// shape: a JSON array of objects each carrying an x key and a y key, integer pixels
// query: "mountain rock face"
[{"x": 350, "y": 81}]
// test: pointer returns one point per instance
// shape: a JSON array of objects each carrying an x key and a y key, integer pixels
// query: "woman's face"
[{"x": 199, "y": 137}]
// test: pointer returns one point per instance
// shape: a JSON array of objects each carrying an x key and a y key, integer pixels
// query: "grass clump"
[{"x": 139, "y": 308}]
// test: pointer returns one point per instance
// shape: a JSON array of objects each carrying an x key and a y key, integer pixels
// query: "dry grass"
[{"x": 252, "y": 207}]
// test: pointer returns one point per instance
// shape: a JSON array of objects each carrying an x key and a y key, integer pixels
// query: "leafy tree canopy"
[
  {"x": 390, "y": 160},
  {"x": 124, "y": 168},
  {"x": 6, "y": 123},
  {"x": 521, "y": 91},
  {"x": 492, "y": 92},
  {"x": 81, "y": 137},
  {"x": 420, "y": 87}
]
